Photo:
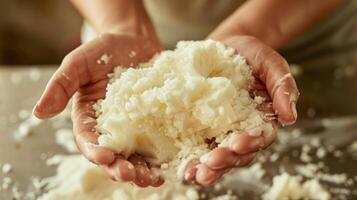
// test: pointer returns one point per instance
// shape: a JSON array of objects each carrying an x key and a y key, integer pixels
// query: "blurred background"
[
  {"x": 37, "y": 31},
  {"x": 40, "y": 32}
]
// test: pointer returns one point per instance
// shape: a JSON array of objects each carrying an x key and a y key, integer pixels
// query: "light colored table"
[{"x": 20, "y": 88}]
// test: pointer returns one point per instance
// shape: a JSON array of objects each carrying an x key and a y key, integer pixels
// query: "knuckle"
[
  {"x": 108, "y": 37},
  {"x": 246, "y": 38},
  {"x": 95, "y": 157},
  {"x": 237, "y": 41},
  {"x": 273, "y": 58},
  {"x": 70, "y": 59}
]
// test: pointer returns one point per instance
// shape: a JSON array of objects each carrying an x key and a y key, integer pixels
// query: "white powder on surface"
[
  {"x": 79, "y": 179},
  {"x": 65, "y": 138},
  {"x": 6, "y": 168},
  {"x": 26, "y": 127},
  {"x": 286, "y": 186},
  {"x": 165, "y": 109}
]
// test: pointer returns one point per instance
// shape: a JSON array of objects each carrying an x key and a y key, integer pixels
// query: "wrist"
[
  {"x": 268, "y": 36},
  {"x": 117, "y": 17}
]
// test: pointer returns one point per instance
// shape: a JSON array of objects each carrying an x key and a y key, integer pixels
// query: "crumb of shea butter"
[{"x": 166, "y": 109}]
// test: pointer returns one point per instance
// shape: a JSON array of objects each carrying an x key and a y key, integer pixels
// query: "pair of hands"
[{"x": 80, "y": 76}]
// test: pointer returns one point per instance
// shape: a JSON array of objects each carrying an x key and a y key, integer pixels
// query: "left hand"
[
  {"x": 84, "y": 76},
  {"x": 273, "y": 82}
]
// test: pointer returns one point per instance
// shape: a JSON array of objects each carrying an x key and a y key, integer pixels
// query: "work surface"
[{"x": 21, "y": 87}]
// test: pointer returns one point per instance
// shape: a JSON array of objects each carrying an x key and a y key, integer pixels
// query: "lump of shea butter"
[{"x": 167, "y": 109}]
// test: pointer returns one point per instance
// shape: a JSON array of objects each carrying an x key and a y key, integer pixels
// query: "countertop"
[{"x": 21, "y": 86}]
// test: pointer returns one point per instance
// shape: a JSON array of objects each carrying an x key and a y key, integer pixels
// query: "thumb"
[{"x": 71, "y": 75}]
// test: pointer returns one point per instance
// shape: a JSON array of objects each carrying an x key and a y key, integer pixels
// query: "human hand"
[
  {"x": 84, "y": 75},
  {"x": 274, "y": 82}
]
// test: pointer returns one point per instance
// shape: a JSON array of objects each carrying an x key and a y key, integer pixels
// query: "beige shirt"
[{"x": 177, "y": 20}]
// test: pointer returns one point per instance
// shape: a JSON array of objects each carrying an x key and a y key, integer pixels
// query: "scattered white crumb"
[
  {"x": 308, "y": 170},
  {"x": 6, "y": 183},
  {"x": 274, "y": 157},
  {"x": 6, "y": 168},
  {"x": 65, "y": 138},
  {"x": 23, "y": 114},
  {"x": 104, "y": 59},
  {"x": 296, "y": 70},
  {"x": 315, "y": 142},
  {"x": 79, "y": 179},
  {"x": 337, "y": 153},
  {"x": 16, "y": 193},
  {"x": 333, "y": 178},
  {"x": 26, "y": 127},
  {"x": 304, "y": 155},
  {"x": 164, "y": 166},
  {"x": 352, "y": 147},
  {"x": 286, "y": 186},
  {"x": 321, "y": 152}
]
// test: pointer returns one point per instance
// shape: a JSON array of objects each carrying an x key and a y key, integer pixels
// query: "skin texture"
[{"x": 124, "y": 27}]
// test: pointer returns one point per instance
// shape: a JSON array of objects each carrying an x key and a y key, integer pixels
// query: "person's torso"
[{"x": 177, "y": 20}]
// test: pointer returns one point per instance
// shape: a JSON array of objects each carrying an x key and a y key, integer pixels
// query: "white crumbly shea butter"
[
  {"x": 286, "y": 186},
  {"x": 167, "y": 108},
  {"x": 79, "y": 179}
]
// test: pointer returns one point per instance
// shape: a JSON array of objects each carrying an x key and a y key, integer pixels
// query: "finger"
[
  {"x": 85, "y": 136},
  {"x": 245, "y": 160},
  {"x": 244, "y": 143},
  {"x": 223, "y": 158},
  {"x": 253, "y": 140},
  {"x": 220, "y": 158},
  {"x": 120, "y": 170},
  {"x": 157, "y": 178},
  {"x": 269, "y": 134},
  {"x": 78, "y": 69},
  {"x": 267, "y": 109},
  {"x": 93, "y": 92},
  {"x": 190, "y": 170},
  {"x": 143, "y": 174},
  {"x": 206, "y": 176},
  {"x": 273, "y": 71},
  {"x": 72, "y": 74}
]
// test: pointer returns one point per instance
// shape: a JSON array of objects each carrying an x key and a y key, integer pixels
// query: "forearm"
[
  {"x": 108, "y": 16},
  {"x": 274, "y": 22}
]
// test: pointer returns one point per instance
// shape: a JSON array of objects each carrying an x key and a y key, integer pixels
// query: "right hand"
[
  {"x": 274, "y": 82},
  {"x": 81, "y": 76}
]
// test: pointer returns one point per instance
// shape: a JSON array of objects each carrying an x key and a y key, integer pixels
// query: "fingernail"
[
  {"x": 156, "y": 174},
  {"x": 187, "y": 176},
  {"x": 204, "y": 158},
  {"x": 130, "y": 166},
  {"x": 255, "y": 132},
  {"x": 35, "y": 108},
  {"x": 259, "y": 142},
  {"x": 293, "y": 110}
]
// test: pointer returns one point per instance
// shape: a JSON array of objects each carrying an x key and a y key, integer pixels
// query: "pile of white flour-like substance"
[
  {"x": 78, "y": 179},
  {"x": 167, "y": 109}
]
